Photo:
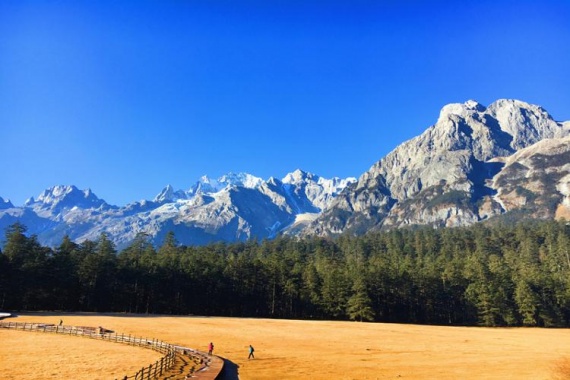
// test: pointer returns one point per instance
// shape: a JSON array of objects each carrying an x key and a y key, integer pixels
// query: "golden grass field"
[{"x": 291, "y": 349}]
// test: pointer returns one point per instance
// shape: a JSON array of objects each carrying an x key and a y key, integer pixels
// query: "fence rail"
[{"x": 153, "y": 371}]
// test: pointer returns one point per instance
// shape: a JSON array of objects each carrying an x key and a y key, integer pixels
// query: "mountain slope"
[
  {"x": 441, "y": 177},
  {"x": 234, "y": 207},
  {"x": 508, "y": 160}
]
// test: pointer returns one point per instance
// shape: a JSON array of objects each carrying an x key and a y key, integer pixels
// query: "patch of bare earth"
[{"x": 289, "y": 349}]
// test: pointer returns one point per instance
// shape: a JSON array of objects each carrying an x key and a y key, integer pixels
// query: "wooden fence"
[{"x": 153, "y": 371}]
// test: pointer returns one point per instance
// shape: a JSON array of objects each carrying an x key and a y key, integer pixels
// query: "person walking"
[
  {"x": 251, "y": 352},
  {"x": 210, "y": 348}
]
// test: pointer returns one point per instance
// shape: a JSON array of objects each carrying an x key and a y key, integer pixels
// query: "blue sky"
[{"x": 127, "y": 97}]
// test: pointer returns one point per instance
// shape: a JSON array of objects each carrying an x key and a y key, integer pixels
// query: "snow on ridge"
[
  {"x": 330, "y": 185},
  {"x": 299, "y": 176},
  {"x": 287, "y": 189},
  {"x": 52, "y": 194},
  {"x": 209, "y": 186},
  {"x": 305, "y": 217},
  {"x": 58, "y": 193},
  {"x": 165, "y": 194},
  {"x": 240, "y": 179},
  {"x": 335, "y": 185},
  {"x": 169, "y": 195}
]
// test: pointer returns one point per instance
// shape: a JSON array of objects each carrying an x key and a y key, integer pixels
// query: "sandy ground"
[{"x": 289, "y": 349}]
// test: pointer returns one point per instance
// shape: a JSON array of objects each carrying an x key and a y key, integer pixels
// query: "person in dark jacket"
[{"x": 251, "y": 352}]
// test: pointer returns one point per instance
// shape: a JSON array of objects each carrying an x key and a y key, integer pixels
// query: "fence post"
[{"x": 160, "y": 366}]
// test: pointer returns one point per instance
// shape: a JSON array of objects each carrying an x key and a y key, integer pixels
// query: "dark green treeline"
[{"x": 481, "y": 275}]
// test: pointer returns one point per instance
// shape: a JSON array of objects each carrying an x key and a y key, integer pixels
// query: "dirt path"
[{"x": 288, "y": 349}]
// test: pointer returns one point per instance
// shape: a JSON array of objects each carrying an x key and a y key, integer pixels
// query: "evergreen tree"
[
  {"x": 63, "y": 269},
  {"x": 28, "y": 278},
  {"x": 359, "y": 304}
]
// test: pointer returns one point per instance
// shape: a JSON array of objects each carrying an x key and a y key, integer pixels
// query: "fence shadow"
[{"x": 230, "y": 371}]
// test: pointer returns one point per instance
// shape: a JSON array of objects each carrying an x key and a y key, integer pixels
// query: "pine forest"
[{"x": 487, "y": 275}]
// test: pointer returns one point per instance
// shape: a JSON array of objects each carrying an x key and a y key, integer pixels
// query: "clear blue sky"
[{"x": 127, "y": 97}]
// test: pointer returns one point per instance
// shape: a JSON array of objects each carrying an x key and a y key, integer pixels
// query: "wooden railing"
[{"x": 153, "y": 371}]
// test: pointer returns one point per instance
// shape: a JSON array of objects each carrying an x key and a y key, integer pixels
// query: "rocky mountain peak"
[
  {"x": 207, "y": 185},
  {"x": 168, "y": 194},
  {"x": 474, "y": 163},
  {"x": 5, "y": 204},
  {"x": 453, "y": 156},
  {"x": 204, "y": 185},
  {"x": 240, "y": 179},
  {"x": 526, "y": 123},
  {"x": 299, "y": 176},
  {"x": 460, "y": 109},
  {"x": 165, "y": 195},
  {"x": 59, "y": 197}
]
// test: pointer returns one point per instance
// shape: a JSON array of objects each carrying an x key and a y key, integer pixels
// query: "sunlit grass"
[{"x": 290, "y": 349}]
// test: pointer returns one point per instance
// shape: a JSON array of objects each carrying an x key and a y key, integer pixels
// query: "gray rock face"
[
  {"x": 536, "y": 180},
  {"x": 441, "y": 177},
  {"x": 510, "y": 159}
]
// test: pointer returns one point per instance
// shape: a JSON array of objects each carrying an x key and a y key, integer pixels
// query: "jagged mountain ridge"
[
  {"x": 510, "y": 159},
  {"x": 450, "y": 175},
  {"x": 4, "y": 204},
  {"x": 234, "y": 207}
]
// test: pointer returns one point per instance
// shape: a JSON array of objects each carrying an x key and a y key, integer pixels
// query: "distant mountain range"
[
  {"x": 507, "y": 161},
  {"x": 234, "y": 207}
]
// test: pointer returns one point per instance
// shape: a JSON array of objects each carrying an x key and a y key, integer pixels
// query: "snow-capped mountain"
[
  {"x": 234, "y": 207},
  {"x": 206, "y": 185},
  {"x": 59, "y": 201},
  {"x": 459, "y": 172},
  {"x": 508, "y": 160}
]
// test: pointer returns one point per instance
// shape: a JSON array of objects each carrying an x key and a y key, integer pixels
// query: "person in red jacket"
[{"x": 210, "y": 348}]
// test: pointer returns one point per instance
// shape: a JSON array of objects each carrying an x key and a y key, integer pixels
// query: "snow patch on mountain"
[
  {"x": 207, "y": 185},
  {"x": 476, "y": 162},
  {"x": 230, "y": 208}
]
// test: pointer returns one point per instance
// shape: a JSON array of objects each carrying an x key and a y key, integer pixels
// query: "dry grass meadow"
[{"x": 289, "y": 349}]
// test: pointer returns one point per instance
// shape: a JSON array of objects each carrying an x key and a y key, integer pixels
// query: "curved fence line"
[{"x": 153, "y": 371}]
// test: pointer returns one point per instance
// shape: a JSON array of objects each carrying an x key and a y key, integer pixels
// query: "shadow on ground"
[{"x": 230, "y": 371}]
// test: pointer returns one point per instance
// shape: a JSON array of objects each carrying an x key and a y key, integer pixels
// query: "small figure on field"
[
  {"x": 61, "y": 322},
  {"x": 210, "y": 348},
  {"x": 251, "y": 349}
]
